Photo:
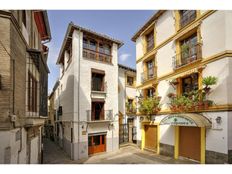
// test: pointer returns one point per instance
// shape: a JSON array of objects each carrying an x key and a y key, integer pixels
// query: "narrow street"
[{"x": 125, "y": 155}]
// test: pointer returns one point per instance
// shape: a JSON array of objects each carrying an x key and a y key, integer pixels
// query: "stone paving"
[{"x": 127, "y": 154}]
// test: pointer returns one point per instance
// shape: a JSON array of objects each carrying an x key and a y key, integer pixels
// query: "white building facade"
[
  {"x": 159, "y": 55},
  {"x": 87, "y": 100},
  {"x": 128, "y": 120}
]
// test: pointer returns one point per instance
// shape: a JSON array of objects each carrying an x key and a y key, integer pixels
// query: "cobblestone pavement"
[{"x": 53, "y": 154}]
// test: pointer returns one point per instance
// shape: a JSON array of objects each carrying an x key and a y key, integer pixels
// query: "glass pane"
[
  {"x": 92, "y": 45},
  {"x": 96, "y": 140},
  {"x": 103, "y": 139},
  {"x": 90, "y": 141}
]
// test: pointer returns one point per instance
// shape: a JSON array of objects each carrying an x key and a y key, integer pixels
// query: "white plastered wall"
[
  {"x": 139, "y": 68},
  {"x": 165, "y": 27},
  {"x": 139, "y": 47},
  {"x": 164, "y": 59},
  {"x": 121, "y": 94},
  {"x": 219, "y": 69},
  {"x": 164, "y": 88},
  {"x": 217, "y": 139},
  {"x": 213, "y": 34}
]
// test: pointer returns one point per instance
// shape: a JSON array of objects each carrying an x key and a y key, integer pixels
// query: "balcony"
[
  {"x": 147, "y": 75},
  {"x": 97, "y": 56},
  {"x": 101, "y": 116},
  {"x": 188, "y": 54},
  {"x": 187, "y": 17},
  {"x": 131, "y": 110},
  {"x": 99, "y": 90}
]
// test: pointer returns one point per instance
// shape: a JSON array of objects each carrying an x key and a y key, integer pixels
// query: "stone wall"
[{"x": 166, "y": 149}]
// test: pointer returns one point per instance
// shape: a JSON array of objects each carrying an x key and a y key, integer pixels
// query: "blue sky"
[{"x": 118, "y": 24}]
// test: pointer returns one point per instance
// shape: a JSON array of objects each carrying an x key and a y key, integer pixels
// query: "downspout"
[{"x": 78, "y": 100}]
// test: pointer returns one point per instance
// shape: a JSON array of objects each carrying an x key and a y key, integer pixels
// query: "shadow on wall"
[{"x": 69, "y": 110}]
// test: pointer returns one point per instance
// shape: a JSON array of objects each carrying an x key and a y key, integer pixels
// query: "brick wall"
[
  {"x": 13, "y": 54},
  {"x": 5, "y": 91}
]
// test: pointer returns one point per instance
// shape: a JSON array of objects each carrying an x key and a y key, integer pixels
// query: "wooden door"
[
  {"x": 97, "y": 143},
  {"x": 150, "y": 137},
  {"x": 190, "y": 142}
]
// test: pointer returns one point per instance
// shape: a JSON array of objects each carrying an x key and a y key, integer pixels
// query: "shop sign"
[{"x": 177, "y": 120}]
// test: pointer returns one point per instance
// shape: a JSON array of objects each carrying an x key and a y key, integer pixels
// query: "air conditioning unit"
[{"x": 13, "y": 118}]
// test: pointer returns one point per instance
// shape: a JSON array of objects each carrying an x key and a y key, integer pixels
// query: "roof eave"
[
  {"x": 147, "y": 24},
  {"x": 45, "y": 15}
]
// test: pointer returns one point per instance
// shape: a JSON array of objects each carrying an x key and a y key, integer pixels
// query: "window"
[
  {"x": 24, "y": 18},
  {"x": 92, "y": 45},
  {"x": 130, "y": 102},
  {"x": 186, "y": 16},
  {"x": 85, "y": 43},
  {"x": 32, "y": 93},
  {"x": 97, "y": 111},
  {"x": 130, "y": 80},
  {"x": 190, "y": 83},
  {"x": 98, "y": 81},
  {"x": 189, "y": 49},
  {"x": 150, "y": 40},
  {"x": 150, "y": 69},
  {"x": 150, "y": 92}
]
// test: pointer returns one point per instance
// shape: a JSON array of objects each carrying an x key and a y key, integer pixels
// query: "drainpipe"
[{"x": 78, "y": 117}]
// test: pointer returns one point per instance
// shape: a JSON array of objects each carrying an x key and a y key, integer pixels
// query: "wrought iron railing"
[
  {"x": 148, "y": 74},
  {"x": 106, "y": 115},
  {"x": 187, "y": 55},
  {"x": 131, "y": 110},
  {"x": 99, "y": 87},
  {"x": 94, "y": 55},
  {"x": 188, "y": 17}
]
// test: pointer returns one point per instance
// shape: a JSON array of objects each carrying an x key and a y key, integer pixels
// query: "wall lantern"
[{"x": 218, "y": 120}]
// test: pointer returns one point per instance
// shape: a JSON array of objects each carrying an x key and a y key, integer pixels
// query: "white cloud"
[{"x": 123, "y": 57}]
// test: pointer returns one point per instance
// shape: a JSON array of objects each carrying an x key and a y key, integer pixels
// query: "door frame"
[
  {"x": 202, "y": 142},
  {"x": 148, "y": 123},
  {"x": 104, "y": 135}
]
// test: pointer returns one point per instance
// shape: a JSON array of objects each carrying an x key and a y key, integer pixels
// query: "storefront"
[
  {"x": 96, "y": 143},
  {"x": 190, "y": 139}
]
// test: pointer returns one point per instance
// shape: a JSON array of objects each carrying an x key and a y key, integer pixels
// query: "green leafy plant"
[
  {"x": 207, "y": 82},
  {"x": 150, "y": 105},
  {"x": 130, "y": 108}
]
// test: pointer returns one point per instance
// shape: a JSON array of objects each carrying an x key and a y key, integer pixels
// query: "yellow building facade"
[{"x": 177, "y": 53}]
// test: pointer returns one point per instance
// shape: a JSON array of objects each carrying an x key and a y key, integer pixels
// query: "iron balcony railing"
[
  {"x": 149, "y": 74},
  {"x": 105, "y": 115},
  {"x": 99, "y": 87},
  {"x": 94, "y": 55},
  {"x": 188, "y": 17},
  {"x": 131, "y": 110},
  {"x": 187, "y": 55}
]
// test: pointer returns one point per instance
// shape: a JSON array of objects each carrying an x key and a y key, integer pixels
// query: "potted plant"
[
  {"x": 207, "y": 82},
  {"x": 149, "y": 106}
]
